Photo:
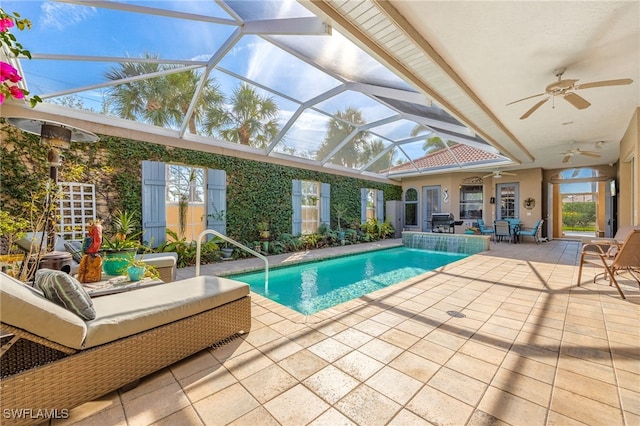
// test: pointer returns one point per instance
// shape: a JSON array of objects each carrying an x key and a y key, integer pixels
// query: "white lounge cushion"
[
  {"x": 125, "y": 314},
  {"x": 25, "y": 308}
]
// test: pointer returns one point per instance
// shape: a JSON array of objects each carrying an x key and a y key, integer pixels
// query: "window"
[
  {"x": 310, "y": 206},
  {"x": 372, "y": 201},
  {"x": 411, "y": 207},
  {"x": 185, "y": 200},
  {"x": 471, "y": 202}
]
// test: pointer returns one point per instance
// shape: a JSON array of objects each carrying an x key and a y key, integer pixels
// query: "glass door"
[
  {"x": 507, "y": 201},
  {"x": 430, "y": 205}
]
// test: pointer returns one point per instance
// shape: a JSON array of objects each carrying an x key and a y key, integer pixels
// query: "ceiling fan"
[
  {"x": 496, "y": 174},
  {"x": 565, "y": 89},
  {"x": 578, "y": 151}
]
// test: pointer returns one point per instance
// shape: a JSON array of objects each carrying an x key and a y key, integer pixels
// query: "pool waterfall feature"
[{"x": 451, "y": 243}]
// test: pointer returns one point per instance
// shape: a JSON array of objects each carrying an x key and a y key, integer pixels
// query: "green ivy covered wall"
[{"x": 256, "y": 191}]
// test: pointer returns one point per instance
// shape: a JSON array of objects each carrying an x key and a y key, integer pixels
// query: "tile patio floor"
[{"x": 532, "y": 349}]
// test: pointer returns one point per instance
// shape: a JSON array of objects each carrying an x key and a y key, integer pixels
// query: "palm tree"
[
  {"x": 433, "y": 143},
  {"x": 164, "y": 100},
  {"x": 338, "y": 128},
  {"x": 370, "y": 150},
  {"x": 250, "y": 120}
]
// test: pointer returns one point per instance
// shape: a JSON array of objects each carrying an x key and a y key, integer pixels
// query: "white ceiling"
[{"x": 481, "y": 55}]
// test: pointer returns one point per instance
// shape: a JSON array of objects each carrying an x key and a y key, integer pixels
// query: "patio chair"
[
  {"x": 627, "y": 258},
  {"x": 503, "y": 230},
  {"x": 483, "y": 228},
  {"x": 533, "y": 232}
]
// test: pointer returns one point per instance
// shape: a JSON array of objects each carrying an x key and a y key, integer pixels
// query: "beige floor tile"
[
  {"x": 365, "y": 405},
  {"x": 330, "y": 349},
  {"x": 203, "y": 360},
  {"x": 415, "y": 366},
  {"x": 207, "y": 382},
  {"x": 258, "y": 416},
  {"x": 358, "y": 365},
  {"x": 458, "y": 385},
  {"x": 380, "y": 350},
  {"x": 584, "y": 409},
  {"x": 307, "y": 337},
  {"x": 269, "y": 383},
  {"x": 484, "y": 352},
  {"x": 630, "y": 401},
  {"x": 407, "y": 418},
  {"x": 226, "y": 406},
  {"x": 525, "y": 387},
  {"x": 399, "y": 338},
  {"x": 510, "y": 408},
  {"x": 528, "y": 367},
  {"x": 297, "y": 406},
  {"x": 373, "y": 328},
  {"x": 280, "y": 348},
  {"x": 439, "y": 408},
  {"x": 627, "y": 380},
  {"x": 303, "y": 364},
  {"x": 231, "y": 349},
  {"x": 353, "y": 338},
  {"x": 148, "y": 384},
  {"x": 248, "y": 363},
  {"x": 260, "y": 337},
  {"x": 153, "y": 406},
  {"x": 394, "y": 384},
  {"x": 432, "y": 351},
  {"x": 185, "y": 417},
  {"x": 100, "y": 409},
  {"x": 331, "y": 383},
  {"x": 480, "y": 418},
  {"x": 472, "y": 367},
  {"x": 332, "y": 417},
  {"x": 557, "y": 419},
  {"x": 588, "y": 387}
]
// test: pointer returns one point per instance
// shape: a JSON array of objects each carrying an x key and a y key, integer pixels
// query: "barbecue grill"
[{"x": 444, "y": 222}]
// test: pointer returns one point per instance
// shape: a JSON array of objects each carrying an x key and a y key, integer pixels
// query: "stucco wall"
[
  {"x": 629, "y": 174},
  {"x": 529, "y": 182}
]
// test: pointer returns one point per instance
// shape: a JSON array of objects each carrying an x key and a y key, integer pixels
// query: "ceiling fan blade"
[
  {"x": 509, "y": 174},
  {"x": 619, "y": 82},
  {"x": 566, "y": 158},
  {"x": 524, "y": 99},
  {"x": 533, "y": 109},
  {"x": 590, "y": 154},
  {"x": 484, "y": 177},
  {"x": 576, "y": 100},
  {"x": 575, "y": 173}
]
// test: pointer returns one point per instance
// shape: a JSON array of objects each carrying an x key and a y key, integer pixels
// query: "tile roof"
[{"x": 457, "y": 154}]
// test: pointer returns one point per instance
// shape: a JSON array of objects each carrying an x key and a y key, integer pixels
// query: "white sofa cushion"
[
  {"x": 125, "y": 314},
  {"x": 25, "y": 308}
]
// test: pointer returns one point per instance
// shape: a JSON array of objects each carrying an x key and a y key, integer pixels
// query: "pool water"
[{"x": 311, "y": 287}]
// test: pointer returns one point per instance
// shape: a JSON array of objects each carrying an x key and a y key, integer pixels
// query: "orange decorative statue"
[{"x": 90, "y": 269}]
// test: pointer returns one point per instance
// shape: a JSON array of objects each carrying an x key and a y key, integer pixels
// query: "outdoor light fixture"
[{"x": 57, "y": 136}]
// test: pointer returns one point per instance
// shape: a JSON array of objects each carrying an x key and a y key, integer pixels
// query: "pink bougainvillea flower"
[
  {"x": 5, "y": 24},
  {"x": 1, "y": 98},
  {"x": 7, "y": 72},
  {"x": 16, "y": 92}
]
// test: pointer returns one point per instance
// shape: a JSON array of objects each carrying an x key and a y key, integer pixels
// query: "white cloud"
[{"x": 60, "y": 16}]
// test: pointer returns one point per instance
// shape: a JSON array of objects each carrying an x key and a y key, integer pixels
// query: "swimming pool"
[{"x": 311, "y": 287}]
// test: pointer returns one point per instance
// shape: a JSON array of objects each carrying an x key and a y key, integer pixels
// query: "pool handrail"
[{"x": 235, "y": 243}]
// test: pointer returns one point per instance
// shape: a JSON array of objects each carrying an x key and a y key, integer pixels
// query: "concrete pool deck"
[{"x": 501, "y": 337}]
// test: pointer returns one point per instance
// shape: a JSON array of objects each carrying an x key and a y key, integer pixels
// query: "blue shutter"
[
  {"x": 154, "y": 212},
  {"x": 296, "y": 204},
  {"x": 380, "y": 206},
  {"x": 325, "y": 204},
  {"x": 363, "y": 205},
  {"x": 217, "y": 200}
]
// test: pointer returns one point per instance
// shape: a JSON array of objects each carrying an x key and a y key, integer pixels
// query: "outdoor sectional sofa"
[{"x": 52, "y": 359}]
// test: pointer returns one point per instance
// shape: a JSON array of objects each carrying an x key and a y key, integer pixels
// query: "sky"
[{"x": 67, "y": 29}]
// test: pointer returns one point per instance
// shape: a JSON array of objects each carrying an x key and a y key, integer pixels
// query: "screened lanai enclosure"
[{"x": 266, "y": 77}]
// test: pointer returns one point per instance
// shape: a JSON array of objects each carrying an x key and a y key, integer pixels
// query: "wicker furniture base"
[{"x": 67, "y": 382}]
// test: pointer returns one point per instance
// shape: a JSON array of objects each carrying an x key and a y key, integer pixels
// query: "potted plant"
[
  {"x": 263, "y": 229},
  {"x": 120, "y": 251},
  {"x": 340, "y": 210}
]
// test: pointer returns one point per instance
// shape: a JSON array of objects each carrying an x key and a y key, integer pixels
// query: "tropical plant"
[
  {"x": 338, "y": 129},
  {"x": 123, "y": 226},
  {"x": 251, "y": 119},
  {"x": 433, "y": 143},
  {"x": 340, "y": 210}
]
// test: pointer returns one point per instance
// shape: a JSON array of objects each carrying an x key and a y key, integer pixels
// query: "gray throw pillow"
[{"x": 64, "y": 290}]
